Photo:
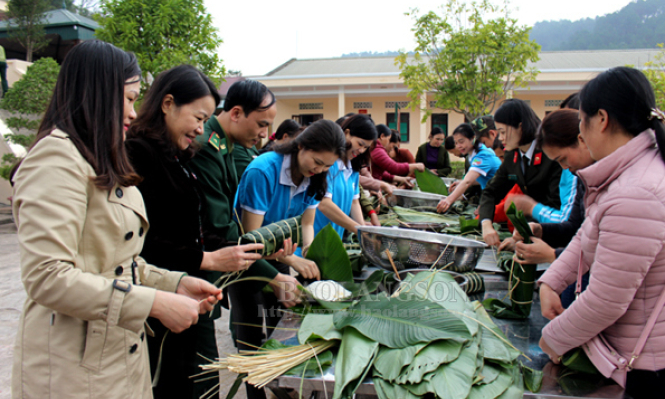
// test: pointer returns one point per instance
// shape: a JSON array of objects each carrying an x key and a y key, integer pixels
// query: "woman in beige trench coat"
[{"x": 81, "y": 224}]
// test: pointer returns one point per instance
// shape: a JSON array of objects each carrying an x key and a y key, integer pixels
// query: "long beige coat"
[{"x": 81, "y": 334}]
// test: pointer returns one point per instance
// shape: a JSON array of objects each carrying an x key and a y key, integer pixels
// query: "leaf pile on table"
[
  {"x": 522, "y": 277},
  {"x": 426, "y": 337}
]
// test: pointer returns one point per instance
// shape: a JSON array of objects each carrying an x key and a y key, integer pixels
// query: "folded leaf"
[
  {"x": 327, "y": 250},
  {"x": 453, "y": 380},
  {"x": 318, "y": 326},
  {"x": 431, "y": 183},
  {"x": 353, "y": 360},
  {"x": 429, "y": 359},
  {"x": 533, "y": 379}
]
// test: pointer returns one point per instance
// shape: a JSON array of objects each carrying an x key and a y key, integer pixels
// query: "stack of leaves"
[
  {"x": 522, "y": 278},
  {"x": 429, "y": 182},
  {"x": 425, "y": 338},
  {"x": 408, "y": 215},
  {"x": 272, "y": 236}
]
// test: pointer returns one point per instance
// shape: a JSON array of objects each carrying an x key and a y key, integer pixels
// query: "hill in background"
[{"x": 640, "y": 24}]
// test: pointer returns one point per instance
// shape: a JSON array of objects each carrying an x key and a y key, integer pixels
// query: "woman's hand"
[
  {"x": 444, "y": 205},
  {"x": 231, "y": 259},
  {"x": 287, "y": 250},
  {"x": 420, "y": 167},
  {"x": 387, "y": 188},
  {"x": 175, "y": 312},
  {"x": 507, "y": 245},
  {"x": 286, "y": 289},
  {"x": 550, "y": 303},
  {"x": 554, "y": 357},
  {"x": 307, "y": 268},
  {"x": 200, "y": 290},
  {"x": 453, "y": 186},
  {"x": 523, "y": 203},
  {"x": 403, "y": 181},
  {"x": 434, "y": 171},
  {"x": 536, "y": 252},
  {"x": 490, "y": 235}
]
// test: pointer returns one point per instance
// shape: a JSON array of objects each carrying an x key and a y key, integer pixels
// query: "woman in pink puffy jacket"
[{"x": 622, "y": 239}]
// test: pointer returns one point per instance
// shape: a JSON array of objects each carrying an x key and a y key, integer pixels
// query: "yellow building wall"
[{"x": 418, "y": 131}]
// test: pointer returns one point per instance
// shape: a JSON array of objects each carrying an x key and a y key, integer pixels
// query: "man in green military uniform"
[
  {"x": 243, "y": 156},
  {"x": 249, "y": 109}
]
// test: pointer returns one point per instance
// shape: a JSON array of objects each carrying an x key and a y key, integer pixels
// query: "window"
[
  {"x": 307, "y": 119},
  {"x": 403, "y": 124},
  {"x": 440, "y": 120}
]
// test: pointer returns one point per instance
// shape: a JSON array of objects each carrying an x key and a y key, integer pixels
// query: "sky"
[{"x": 260, "y": 35}]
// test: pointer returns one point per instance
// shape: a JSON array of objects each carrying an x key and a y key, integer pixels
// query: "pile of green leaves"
[
  {"x": 425, "y": 338},
  {"x": 429, "y": 182},
  {"x": 522, "y": 278}
]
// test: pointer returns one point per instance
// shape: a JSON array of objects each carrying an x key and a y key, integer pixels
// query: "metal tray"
[
  {"x": 411, "y": 249},
  {"x": 410, "y": 198}
]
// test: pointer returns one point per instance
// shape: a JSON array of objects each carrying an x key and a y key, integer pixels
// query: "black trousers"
[
  {"x": 645, "y": 384},
  {"x": 180, "y": 358},
  {"x": 247, "y": 316}
]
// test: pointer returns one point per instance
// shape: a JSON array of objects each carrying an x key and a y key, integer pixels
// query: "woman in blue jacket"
[
  {"x": 483, "y": 164},
  {"x": 340, "y": 206}
]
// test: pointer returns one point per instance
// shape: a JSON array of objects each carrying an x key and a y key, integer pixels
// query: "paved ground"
[{"x": 12, "y": 296}]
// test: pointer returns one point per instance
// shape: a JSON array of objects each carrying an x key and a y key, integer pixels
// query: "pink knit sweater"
[{"x": 621, "y": 243}]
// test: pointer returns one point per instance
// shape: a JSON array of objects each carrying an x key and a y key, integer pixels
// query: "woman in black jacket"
[
  {"x": 159, "y": 143},
  {"x": 524, "y": 164}
]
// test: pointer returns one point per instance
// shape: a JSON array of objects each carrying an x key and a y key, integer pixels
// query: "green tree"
[
  {"x": 656, "y": 75},
  {"x": 468, "y": 57},
  {"x": 27, "y": 101},
  {"x": 27, "y": 24},
  {"x": 163, "y": 34}
]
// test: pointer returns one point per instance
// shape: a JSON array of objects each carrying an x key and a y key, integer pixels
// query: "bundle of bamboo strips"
[{"x": 264, "y": 365}]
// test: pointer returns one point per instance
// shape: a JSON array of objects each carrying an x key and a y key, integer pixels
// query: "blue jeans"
[{"x": 568, "y": 295}]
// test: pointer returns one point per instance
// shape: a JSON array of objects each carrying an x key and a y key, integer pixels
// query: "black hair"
[
  {"x": 571, "y": 102},
  {"x": 559, "y": 129},
  {"x": 383, "y": 130},
  {"x": 514, "y": 112},
  {"x": 290, "y": 127},
  {"x": 436, "y": 130},
  {"x": 449, "y": 143},
  {"x": 394, "y": 136},
  {"x": 362, "y": 126},
  {"x": 628, "y": 98},
  {"x": 497, "y": 143},
  {"x": 321, "y": 136},
  {"x": 467, "y": 131},
  {"x": 186, "y": 84},
  {"x": 340, "y": 120},
  {"x": 249, "y": 94},
  {"x": 88, "y": 105}
]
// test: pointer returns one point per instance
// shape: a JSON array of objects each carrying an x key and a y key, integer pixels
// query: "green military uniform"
[
  {"x": 540, "y": 181},
  {"x": 243, "y": 156},
  {"x": 217, "y": 169},
  {"x": 214, "y": 165}
]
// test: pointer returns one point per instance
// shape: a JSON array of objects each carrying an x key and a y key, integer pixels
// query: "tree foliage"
[
  {"x": 27, "y": 24},
  {"x": 163, "y": 34},
  {"x": 27, "y": 101},
  {"x": 468, "y": 57},
  {"x": 656, "y": 75},
  {"x": 640, "y": 24}
]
